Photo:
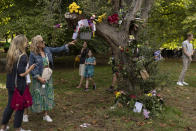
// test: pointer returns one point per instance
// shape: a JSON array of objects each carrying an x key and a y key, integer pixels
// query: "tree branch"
[
  {"x": 147, "y": 5},
  {"x": 130, "y": 16},
  {"x": 119, "y": 38},
  {"x": 116, "y": 5}
]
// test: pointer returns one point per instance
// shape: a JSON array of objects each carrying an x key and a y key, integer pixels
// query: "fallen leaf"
[
  {"x": 140, "y": 123},
  {"x": 59, "y": 129},
  {"x": 106, "y": 116},
  {"x": 94, "y": 122},
  {"x": 163, "y": 124},
  {"x": 189, "y": 128}
]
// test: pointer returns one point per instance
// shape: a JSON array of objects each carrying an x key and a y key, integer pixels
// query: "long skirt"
[{"x": 43, "y": 98}]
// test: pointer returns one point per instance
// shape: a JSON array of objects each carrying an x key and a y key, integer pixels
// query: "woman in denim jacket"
[{"x": 41, "y": 55}]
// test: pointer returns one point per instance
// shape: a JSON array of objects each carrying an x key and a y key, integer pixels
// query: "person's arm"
[
  {"x": 62, "y": 48},
  {"x": 59, "y": 49},
  {"x": 28, "y": 70}
]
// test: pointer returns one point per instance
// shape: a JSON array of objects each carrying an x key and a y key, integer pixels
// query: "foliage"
[
  {"x": 85, "y": 29},
  {"x": 33, "y": 17},
  {"x": 170, "y": 21}
]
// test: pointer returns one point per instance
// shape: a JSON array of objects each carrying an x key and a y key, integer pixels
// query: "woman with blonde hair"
[
  {"x": 16, "y": 72},
  {"x": 42, "y": 90}
]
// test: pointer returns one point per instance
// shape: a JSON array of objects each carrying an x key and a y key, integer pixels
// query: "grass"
[{"x": 75, "y": 107}]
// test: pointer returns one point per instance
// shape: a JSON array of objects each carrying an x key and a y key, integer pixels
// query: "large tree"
[{"x": 118, "y": 35}]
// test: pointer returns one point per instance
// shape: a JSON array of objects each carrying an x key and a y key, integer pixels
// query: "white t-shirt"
[
  {"x": 188, "y": 46},
  {"x": 28, "y": 79}
]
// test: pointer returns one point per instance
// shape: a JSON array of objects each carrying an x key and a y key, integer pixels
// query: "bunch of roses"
[{"x": 113, "y": 19}]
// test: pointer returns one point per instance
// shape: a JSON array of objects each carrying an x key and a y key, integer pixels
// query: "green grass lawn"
[{"x": 75, "y": 107}]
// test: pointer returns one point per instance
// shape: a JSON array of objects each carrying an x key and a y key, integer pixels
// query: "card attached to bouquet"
[
  {"x": 138, "y": 107},
  {"x": 75, "y": 35}
]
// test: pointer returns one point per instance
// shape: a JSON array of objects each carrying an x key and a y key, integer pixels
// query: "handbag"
[
  {"x": 47, "y": 72},
  {"x": 19, "y": 102}
]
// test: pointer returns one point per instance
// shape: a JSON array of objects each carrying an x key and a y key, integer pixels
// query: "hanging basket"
[{"x": 85, "y": 35}]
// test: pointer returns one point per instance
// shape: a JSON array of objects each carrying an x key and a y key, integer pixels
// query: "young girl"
[
  {"x": 16, "y": 67},
  {"x": 89, "y": 69}
]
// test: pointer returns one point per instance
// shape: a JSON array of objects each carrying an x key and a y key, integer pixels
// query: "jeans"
[
  {"x": 186, "y": 63},
  {"x": 8, "y": 112}
]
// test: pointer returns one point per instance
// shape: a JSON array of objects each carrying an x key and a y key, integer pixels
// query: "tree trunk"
[{"x": 119, "y": 38}]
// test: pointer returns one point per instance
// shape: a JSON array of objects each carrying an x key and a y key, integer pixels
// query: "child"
[
  {"x": 114, "y": 76},
  {"x": 28, "y": 81},
  {"x": 90, "y": 62}
]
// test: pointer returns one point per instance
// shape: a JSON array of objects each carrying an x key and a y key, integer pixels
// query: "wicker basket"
[{"x": 85, "y": 35}]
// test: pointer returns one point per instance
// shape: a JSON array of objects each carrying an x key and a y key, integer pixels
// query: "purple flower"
[
  {"x": 154, "y": 92},
  {"x": 146, "y": 113},
  {"x": 58, "y": 25}
]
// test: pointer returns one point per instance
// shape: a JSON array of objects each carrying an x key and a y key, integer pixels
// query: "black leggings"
[{"x": 8, "y": 113}]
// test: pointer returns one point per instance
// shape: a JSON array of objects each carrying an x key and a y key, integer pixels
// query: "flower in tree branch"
[{"x": 113, "y": 19}]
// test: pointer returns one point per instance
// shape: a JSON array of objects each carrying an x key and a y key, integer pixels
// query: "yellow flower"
[
  {"x": 74, "y": 8},
  {"x": 76, "y": 11},
  {"x": 71, "y": 11},
  {"x": 104, "y": 15},
  {"x": 117, "y": 94},
  {"x": 101, "y": 17},
  {"x": 149, "y": 94},
  {"x": 80, "y": 12}
]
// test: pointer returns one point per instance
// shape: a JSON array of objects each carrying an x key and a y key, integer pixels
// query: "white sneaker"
[
  {"x": 184, "y": 83},
  {"x": 47, "y": 118},
  {"x": 7, "y": 128},
  {"x": 25, "y": 118},
  {"x": 180, "y": 83},
  {"x": 24, "y": 130}
]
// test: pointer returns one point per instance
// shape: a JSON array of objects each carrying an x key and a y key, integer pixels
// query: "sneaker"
[
  {"x": 94, "y": 87},
  {"x": 25, "y": 118},
  {"x": 86, "y": 89},
  {"x": 179, "y": 83},
  {"x": 24, "y": 130},
  {"x": 184, "y": 83},
  {"x": 7, "y": 128},
  {"x": 47, "y": 118}
]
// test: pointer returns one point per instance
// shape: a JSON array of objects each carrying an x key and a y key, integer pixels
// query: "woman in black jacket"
[{"x": 16, "y": 70}]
